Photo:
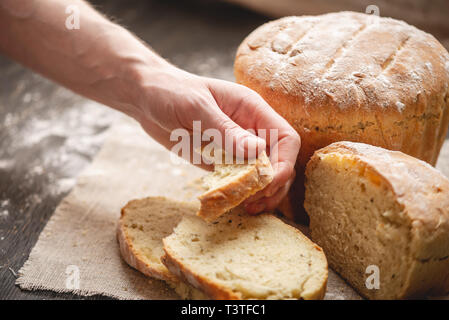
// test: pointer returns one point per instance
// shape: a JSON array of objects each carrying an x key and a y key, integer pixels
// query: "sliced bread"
[
  {"x": 142, "y": 226},
  {"x": 230, "y": 184},
  {"x": 382, "y": 218},
  {"x": 246, "y": 257}
]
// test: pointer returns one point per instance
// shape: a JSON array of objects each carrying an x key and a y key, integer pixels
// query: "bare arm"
[
  {"x": 104, "y": 62},
  {"x": 100, "y": 60}
]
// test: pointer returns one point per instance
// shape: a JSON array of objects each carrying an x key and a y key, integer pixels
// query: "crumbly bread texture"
[
  {"x": 350, "y": 76},
  {"x": 246, "y": 257},
  {"x": 142, "y": 226},
  {"x": 230, "y": 184},
  {"x": 372, "y": 207}
]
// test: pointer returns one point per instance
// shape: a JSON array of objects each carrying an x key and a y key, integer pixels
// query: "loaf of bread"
[
  {"x": 380, "y": 215},
  {"x": 350, "y": 76},
  {"x": 142, "y": 226},
  {"x": 246, "y": 257},
  {"x": 230, "y": 184}
]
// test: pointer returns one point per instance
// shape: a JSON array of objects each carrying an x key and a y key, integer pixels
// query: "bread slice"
[
  {"x": 380, "y": 215},
  {"x": 246, "y": 257},
  {"x": 142, "y": 226},
  {"x": 230, "y": 184}
]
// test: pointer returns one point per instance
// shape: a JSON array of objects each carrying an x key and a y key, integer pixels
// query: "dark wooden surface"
[{"x": 48, "y": 134}]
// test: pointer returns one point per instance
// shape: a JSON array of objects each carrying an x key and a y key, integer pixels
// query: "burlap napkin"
[{"x": 77, "y": 251}]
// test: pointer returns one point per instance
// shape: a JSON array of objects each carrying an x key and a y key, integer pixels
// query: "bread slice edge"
[{"x": 217, "y": 202}]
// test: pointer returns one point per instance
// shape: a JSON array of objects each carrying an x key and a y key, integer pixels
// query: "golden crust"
[
  {"x": 133, "y": 257},
  {"x": 351, "y": 76},
  {"x": 423, "y": 192},
  {"x": 218, "y": 201},
  {"x": 212, "y": 289}
]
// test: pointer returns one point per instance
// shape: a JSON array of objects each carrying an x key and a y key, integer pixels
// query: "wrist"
[
  {"x": 155, "y": 84},
  {"x": 141, "y": 75},
  {"x": 125, "y": 70}
]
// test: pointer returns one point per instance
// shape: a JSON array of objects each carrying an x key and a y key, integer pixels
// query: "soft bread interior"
[
  {"x": 231, "y": 183},
  {"x": 247, "y": 257},
  {"x": 356, "y": 219},
  {"x": 147, "y": 221},
  {"x": 144, "y": 223},
  {"x": 223, "y": 174}
]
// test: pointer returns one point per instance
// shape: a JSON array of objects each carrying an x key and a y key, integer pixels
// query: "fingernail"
[{"x": 252, "y": 145}]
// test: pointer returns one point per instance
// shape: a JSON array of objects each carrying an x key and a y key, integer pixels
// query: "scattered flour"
[
  {"x": 71, "y": 138},
  {"x": 400, "y": 106},
  {"x": 415, "y": 76},
  {"x": 6, "y": 164},
  {"x": 4, "y": 214}
]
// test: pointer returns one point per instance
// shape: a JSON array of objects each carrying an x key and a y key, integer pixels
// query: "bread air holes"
[
  {"x": 295, "y": 52},
  {"x": 221, "y": 276},
  {"x": 363, "y": 187},
  {"x": 137, "y": 226}
]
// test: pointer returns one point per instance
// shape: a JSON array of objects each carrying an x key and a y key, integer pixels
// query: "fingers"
[
  {"x": 250, "y": 111},
  {"x": 283, "y": 172},
  {"x": 283, "y": 156},
  {"x": 269, "y": 203},
  {"x": 234, "y": 139},
  {"x": 160, "y": 135},
  {"x": 246, "y": 107},
  {"x": 245, "y": 144}
]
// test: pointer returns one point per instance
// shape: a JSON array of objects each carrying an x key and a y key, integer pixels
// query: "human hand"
[{"x": 172, "y": 98}]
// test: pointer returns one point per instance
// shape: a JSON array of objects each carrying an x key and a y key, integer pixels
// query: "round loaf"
[{"x": 351, "y": 76}]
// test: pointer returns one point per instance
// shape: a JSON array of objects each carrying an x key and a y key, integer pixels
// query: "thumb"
[{"x": 235, "y": 140}]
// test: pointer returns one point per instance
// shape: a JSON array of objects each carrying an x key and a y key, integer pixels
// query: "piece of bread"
[
  {"x": 142, "y": 226},
  {"x": 372, "y": 207},
  {"x": 246, "y": 257},
  {"x": 230, "y": 184},
  {"x": 350, "y": 76}
]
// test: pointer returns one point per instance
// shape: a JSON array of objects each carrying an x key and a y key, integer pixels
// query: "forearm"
[{"x": 100, "y": 60}]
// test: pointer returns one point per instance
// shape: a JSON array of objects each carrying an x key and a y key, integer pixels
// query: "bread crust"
[
  {"x": 133, "y": 257},
  {"x": 218, "y": 201},
  {"x": 423, "y": 193},
  {"x": 220, "y": 292},
  {"x": 212, "y": 289},
  {"x": 349, "y": 76}
]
